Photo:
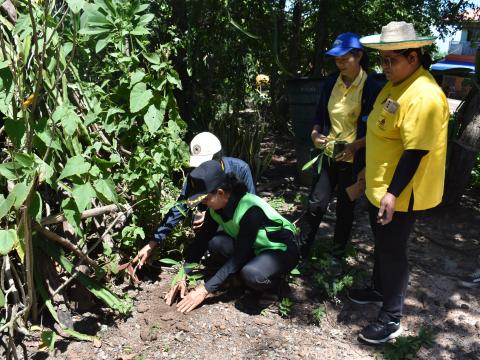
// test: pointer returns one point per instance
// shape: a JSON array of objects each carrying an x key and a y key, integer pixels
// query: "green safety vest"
[{"x": 262, "y": 243}]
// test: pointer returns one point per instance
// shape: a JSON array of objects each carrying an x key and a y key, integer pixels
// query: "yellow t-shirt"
[
  {"x": 420, "y": 122},
  {"x": 344, "y": 107}
]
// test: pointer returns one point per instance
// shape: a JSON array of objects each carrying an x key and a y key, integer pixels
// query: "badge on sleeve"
[{"x": 391, "y": 106}]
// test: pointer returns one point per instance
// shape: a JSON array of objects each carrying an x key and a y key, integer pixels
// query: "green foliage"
[
  {"x": 7, "y": 241},
  {"x": 191, "y": 278},
  {"x": 318, "y": 314},
  {"x": 407, "y": 347},
  {"x": 280, "y": 203},
  {"x": 332, "y": 275},
  {"x": 285, "y": 307},
  {"x": 48, "y": 339},
  {"x": 475, "y": 181}
]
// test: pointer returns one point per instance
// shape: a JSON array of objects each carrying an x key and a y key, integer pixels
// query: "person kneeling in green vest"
[{"x": 256, "y": 242}]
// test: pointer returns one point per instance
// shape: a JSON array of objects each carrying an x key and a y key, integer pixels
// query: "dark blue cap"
[
  {"x": 203, "y": 180},
  {"x": 344, "y": 43}
]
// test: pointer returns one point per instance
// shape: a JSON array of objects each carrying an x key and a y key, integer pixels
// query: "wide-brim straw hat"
[{"x": 397, "y": 35}]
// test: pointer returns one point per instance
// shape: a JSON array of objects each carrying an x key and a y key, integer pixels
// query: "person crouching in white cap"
[
  {"x": 203, "y": 147},
  {"x": 405, "y": 167}
]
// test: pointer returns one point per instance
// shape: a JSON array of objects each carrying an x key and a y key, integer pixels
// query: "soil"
[{"x": 443, "y": 247}]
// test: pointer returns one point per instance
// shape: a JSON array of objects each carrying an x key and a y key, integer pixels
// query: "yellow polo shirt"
[
  {"x": 419, "y": 122},
  {"x": 344, "y": 107}
]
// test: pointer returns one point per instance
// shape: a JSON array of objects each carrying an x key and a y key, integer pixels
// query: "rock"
[
  {"x": 142, "y": 308},
  {"x": 477, "y": 324},
  {"x": 148, "y": 335},
  {"x": 461, "y": 318},
  {"x": 264, "y": 321},
  {"x": 464, "y": 306}
]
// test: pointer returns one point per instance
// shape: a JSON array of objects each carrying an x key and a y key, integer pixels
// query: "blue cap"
[{"x": 344, "y": 43}]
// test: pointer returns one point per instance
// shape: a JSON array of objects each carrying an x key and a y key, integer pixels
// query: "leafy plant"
[
  {"x": 279, "y": 202},
  {"x": 407, "y": 347},
  {"x": 190, "y": 278},
  {"x": 318, "y": 314},
  {"x": 285, "y": 307}
]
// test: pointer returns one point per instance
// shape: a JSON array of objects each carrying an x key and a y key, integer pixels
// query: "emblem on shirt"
[{"x": 381, "y": 123}]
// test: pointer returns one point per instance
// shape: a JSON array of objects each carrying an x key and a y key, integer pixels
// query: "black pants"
[
  {"x": 264, "y": 271},
  {"x": 390, "y": 270},
  {"x": 333, "y": 174}
]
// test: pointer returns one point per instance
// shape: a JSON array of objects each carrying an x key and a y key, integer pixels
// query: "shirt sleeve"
[
  {"x": 175, "y": 215},
  {"x": 246, "y": 177},
  {"x": 422, "y": 123},
  {"x": 251, "y": 222},
  {"x": 406, "y": 168},
  {"x": 200, "y": 244}
]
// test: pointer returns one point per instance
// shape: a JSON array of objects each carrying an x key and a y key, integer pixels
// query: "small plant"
[
  {"x": 407, "y": 347},
  {"x": 180, "y": 275},
  {"x": 285, "y": 307},
  {"x": 318, "y": 314},
  {"x": 279, "y": 202}
]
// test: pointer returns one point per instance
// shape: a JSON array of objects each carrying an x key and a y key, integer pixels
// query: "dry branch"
[
  {"x": 57, "y": 218},
  {"x": 65, "y": 243}
]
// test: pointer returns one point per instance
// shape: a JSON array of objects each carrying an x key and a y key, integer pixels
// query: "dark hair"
[
  {"x": 233, "y": 185},
  {"x": 364, "y": 61},
  {"x": 218, "y": 155},
  {"x": 423, "y": 56}
]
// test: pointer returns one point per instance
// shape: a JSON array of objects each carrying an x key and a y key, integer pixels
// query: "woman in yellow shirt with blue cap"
[
  {"x": 405, "y": 166},
  {"x": 345, "y": 101}
]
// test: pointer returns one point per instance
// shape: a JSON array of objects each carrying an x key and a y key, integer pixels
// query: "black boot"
[{"x": 308, "y": 231}]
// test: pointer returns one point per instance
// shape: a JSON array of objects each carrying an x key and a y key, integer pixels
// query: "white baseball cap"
[{"x": 203, "y": 147}]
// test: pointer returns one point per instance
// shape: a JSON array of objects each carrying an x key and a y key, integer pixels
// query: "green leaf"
[
  {"x": 145, "y": 19},
  {"x": 136, "y": 77},
  {"x": 153, "y": 119},
  {"x": 310, "y": 163},
  {"x": 72, "y": 214},
  {"x": 8, "y": 170},
  {"x": 66, "y": 115},
  {"x": 16, "y": 131},
  {"x": 140, "y": 30},
  {"x": 100, "y": 45},
  {"x": 75, "y": 166},
  {"x": 76, "y": 5},
  {"x": 174, "y": 81},
  {"x": 45, "y": 171},
  {"x": 6, "y": 205},
  {"x": 169, "y": 261},
  {"x": 2, "y": 299},
  {"x": 139, "y": 97},
  {"x": 48, "y": 339},
  {"x": 35, "y": 209},
  {"x": 7, "y": 240},
  {"x": 295, "y": 272},
  {"x": 20, "y": 193},
  {"x": 25, "y": 160},
  {"x": 93, "y": 31},
  {"x": 83, "y": 194},
  {"x": 106, "y": 190},
  {"x": 152, "y": 58}
]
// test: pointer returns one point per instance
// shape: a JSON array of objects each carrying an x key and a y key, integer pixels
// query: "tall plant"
[{"x": 88, "y": 119}]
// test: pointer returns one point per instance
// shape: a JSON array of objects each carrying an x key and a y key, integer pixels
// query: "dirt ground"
[{"x": 443, "y": 247}]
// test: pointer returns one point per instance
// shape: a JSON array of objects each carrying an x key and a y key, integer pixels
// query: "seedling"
[
  {"x": 180, "y": 275},
  {"x": 285, "y": 307},
  {"x": 318, "y": 314},
  {"x": 407, "y": 347}
]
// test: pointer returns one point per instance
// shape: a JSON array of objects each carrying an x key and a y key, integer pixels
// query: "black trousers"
[
  {"x": 390, "y": 270},
  {"x": 262, "y": 272},
  {"x": 333, "y": 174}
]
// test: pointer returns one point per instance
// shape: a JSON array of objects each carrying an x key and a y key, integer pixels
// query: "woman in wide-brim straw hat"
[{"x": 405, "y": 166}]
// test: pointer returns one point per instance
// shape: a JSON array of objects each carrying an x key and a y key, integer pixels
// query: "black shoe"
[
  {"x": 381, "y": 331},
  {"x": 365, "y": 296}
]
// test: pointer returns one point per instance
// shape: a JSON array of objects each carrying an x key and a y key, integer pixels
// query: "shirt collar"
[
  {"x": 227, "y": 212},
  {"x": 355, "y": 83}
]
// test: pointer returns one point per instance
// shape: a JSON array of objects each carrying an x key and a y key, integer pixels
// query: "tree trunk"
[
  {"x": 295, "y": 40},
  {"x": 464, "y": 152},
  {"x": 320, "y": 37}
]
